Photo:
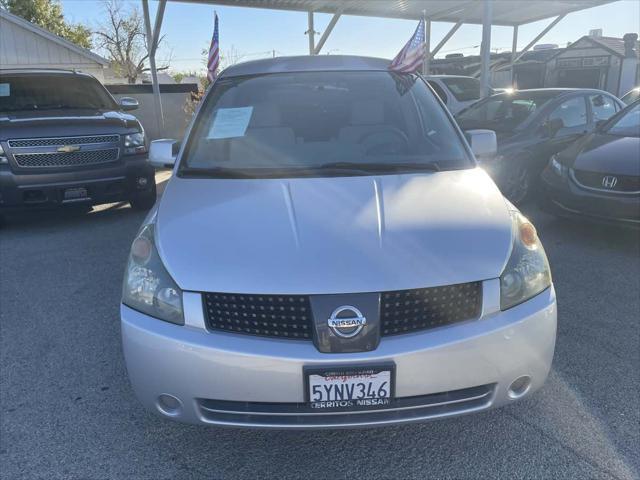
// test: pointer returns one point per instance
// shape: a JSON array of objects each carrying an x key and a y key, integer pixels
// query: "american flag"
[
  {"x": 214, "y": 53},
  {"x": 411, "y": 57}
]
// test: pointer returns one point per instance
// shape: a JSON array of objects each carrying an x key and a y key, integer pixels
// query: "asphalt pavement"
[{"x": 67, "y": 410}]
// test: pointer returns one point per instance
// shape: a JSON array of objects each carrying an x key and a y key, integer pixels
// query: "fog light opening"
[
  {"x": 142, "y": 182},
  {"x": 519, "y": 387},
  {"x": 169, "y": 405}
]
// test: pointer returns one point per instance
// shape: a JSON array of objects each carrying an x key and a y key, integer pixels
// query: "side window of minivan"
[
  {"x": 439, "y": 90},
  {"x": 572, "y": 112},
  {"x": 602, "y": 107}
]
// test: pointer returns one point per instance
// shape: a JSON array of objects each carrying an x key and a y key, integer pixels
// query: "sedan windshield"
[
  {"x": 628, "y": 125},
  {"x": 52, "y": 92},
  {"x": 503, "y": 112},
  {"x": 322, "y": 124},
  {"x": 463, "y": 88}
]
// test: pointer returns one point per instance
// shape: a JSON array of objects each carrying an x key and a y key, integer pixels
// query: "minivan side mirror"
[
  {"x": 483, "y": 142},
  {"x": 551, "y": 127},
  {"x": 128, "y": 103},
  {"x": 163, "y": 152}
]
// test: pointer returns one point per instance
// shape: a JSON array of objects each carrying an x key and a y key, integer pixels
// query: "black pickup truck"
[{"x": 64, "y": 141}]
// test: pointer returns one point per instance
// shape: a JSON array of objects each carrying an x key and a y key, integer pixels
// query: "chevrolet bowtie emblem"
[{"x": 68, "y": 149}]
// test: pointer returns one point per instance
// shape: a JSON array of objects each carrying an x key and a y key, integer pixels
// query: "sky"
[{"x": 257, "y": 33}]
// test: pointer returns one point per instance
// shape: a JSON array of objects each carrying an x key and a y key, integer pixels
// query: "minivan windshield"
[
  {"x": 628, "y": 124},
  {"x": 20, "y": 92},
  {"x": 322, "y": 124},
  {"x": 503, "y": 112}
]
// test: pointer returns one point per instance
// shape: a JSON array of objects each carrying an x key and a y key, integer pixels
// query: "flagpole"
[{"x": 427, "y": 43}]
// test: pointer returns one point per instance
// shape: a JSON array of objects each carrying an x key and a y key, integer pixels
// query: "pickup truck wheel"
[{"x": 144, "y": 200}]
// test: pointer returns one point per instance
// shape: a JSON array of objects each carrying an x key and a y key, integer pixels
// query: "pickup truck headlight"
[
  {"x": 148, "y": 287},
  {"x": 134, "y": 143},
  {"x": 557, "y": 167},
  {"x": 527, "y": 272}
]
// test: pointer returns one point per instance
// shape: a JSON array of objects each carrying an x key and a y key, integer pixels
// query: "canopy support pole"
[
  {"x": 514, "y": 52},
  {"x": 538, "y": 37},
  {"x": 311, "y": 32},
  {"x": 485, "y": 49},
  {"x": 327, "y": 32},
  {"x": 152, "y": 45},
  {"x": 427, "y": 46}
]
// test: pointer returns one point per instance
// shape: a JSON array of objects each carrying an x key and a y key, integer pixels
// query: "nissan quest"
[
  {"x": 65, "y": 142},
  {"x": 328, "y": 254}
]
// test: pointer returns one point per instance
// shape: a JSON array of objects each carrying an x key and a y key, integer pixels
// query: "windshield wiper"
[{"x": 369, "y": 167}]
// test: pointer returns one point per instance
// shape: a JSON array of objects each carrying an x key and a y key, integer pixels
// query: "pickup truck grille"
[
  {"x": 61, "y": 141},
  {"x": 45, "y": 160}
]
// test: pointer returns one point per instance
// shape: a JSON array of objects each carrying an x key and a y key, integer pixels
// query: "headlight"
[
  {"x": 3, "y": 157},
  {"x": 148, "y": 287},
  {"x": 557, "y": 166},
  {"x": 527, "y": 272},
  {"x": 134, "y": 143}
]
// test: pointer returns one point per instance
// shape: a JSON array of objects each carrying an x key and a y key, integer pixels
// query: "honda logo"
[{"x": 609, "y": 181}]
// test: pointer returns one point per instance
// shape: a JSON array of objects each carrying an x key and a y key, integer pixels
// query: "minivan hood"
[{"x": 333, "y": 235}]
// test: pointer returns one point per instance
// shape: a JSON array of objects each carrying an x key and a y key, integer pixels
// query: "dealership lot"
[{"x": 67, "y": 410}]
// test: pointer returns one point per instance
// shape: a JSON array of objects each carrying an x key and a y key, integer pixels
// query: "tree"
[
  {"x": 48, "y": 15},
  {"x": 124, "y": 40}
]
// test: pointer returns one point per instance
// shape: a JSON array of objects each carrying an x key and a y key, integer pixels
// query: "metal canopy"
[
  {"x": 485, "y": 12},
  {"x": 505, "y": 12}
]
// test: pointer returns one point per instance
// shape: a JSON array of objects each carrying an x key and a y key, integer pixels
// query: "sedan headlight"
[
  {"x": 557, "y": 167},
  {"x": 134, "y": 143},
  {"x": 527, "y": 272},
  {"x": 148, "y": 287}
]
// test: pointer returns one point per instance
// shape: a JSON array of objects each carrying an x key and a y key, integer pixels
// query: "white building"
[{"x": 25, "y": 45}]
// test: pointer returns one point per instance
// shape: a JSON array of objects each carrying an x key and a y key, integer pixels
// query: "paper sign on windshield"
[{"x": 230, "y": 122}]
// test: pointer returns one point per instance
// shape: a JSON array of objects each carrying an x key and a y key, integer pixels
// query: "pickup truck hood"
[
  {"x": 67, "y": 123},
  {"x": 333, "y": 235}
]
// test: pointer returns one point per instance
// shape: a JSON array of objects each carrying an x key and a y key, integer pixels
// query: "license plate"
[
  {"x": 350, "y": 388},
  {"x": 75, "y": 193}
]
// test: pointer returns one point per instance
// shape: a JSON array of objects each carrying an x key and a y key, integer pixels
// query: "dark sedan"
[
  {"x": 599, "y": 175},
  {"x": 532, "y": 125}
]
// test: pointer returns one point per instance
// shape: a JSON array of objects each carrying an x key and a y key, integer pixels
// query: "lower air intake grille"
[
  {"x": 408, "y": 311},
  {"x": 286, "y": 316},
  {"x": 44, "y": 160}
]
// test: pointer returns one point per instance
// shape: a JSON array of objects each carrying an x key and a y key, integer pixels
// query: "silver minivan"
[{"x": 327, "y": 254}]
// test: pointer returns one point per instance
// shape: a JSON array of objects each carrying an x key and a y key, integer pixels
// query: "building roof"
[
  {"x": 306, "y": 63},
  {"x": 505, "y": 12},
  {"x": 46, "y": 34}
]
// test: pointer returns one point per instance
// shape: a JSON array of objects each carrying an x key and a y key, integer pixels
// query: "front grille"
[
  {"x": 290, "y": 316},
  {"x": 89, "y": 157},
  {"x": 407, "y": 311},
  {"x": 285, "y": 316},
  {"x": 624, "y": 183},
  {"x": 401, "y": 409},
  {"x": 61, "y": 141}
]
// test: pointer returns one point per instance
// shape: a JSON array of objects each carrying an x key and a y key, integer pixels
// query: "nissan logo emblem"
[
  {"x": 347, "y": 321},
  {"x": 609, "y": 181}
]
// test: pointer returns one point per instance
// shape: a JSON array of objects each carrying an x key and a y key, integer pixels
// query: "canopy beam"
[
  {"x": 485, "y": 49},
  {"x": 311, "y": 32},
  {"x": 327, "y": 32},
  {"x": 446, "y": 38},
  {"x": 538, "y": 37}
]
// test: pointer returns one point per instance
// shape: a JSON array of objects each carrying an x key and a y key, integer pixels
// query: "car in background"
[
  {"x": 456, "y": 91},
  {"x": 599, "y": 175},
  {"x": 531, "y": 125},
  {"x": 631, "y": 96},
  {"x": 328, "y": 254},
  {"x": 65, "y": 141}
]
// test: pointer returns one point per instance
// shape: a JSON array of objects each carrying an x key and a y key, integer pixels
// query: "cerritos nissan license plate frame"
[{"x": 353, "y": 387}]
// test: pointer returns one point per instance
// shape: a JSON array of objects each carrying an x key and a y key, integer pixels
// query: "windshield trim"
[{"x": 183, "y": 171}]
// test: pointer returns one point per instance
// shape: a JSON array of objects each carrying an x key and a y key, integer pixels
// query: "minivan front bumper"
[{"x": 193, "y": 375}]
